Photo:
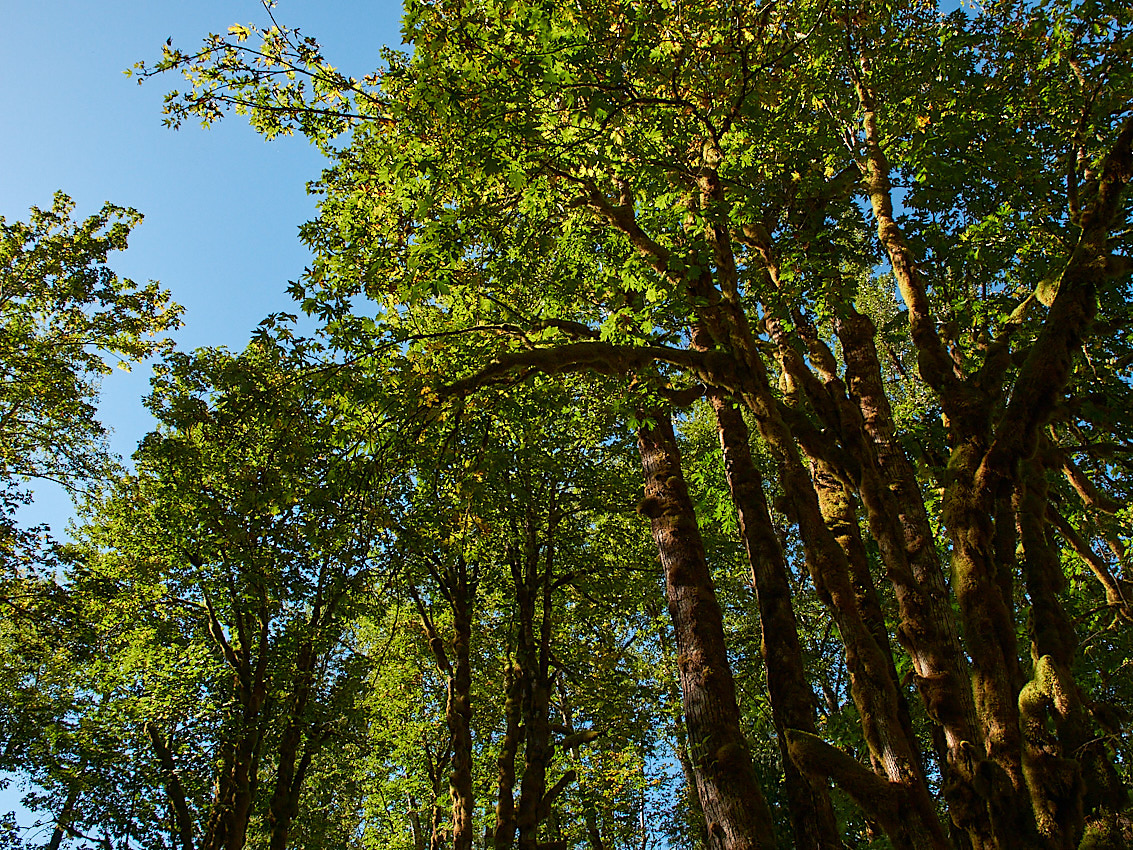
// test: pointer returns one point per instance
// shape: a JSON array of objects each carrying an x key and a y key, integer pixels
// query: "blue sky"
[{"x": 222, "y": 206}]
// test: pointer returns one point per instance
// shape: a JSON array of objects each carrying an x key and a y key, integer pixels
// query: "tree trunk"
[
  {"x": 873, "y": 682},
  {"x": 459, "y": 710},
  {"x": 534, "y": 583},
  {"x": 415, "y": 824},
  {"x": 884, "y": 722},
  {"x": 536, "y": 757},
  {"x": 733, "y": 804},
  {"x": 792, "y": 699},
  {"x": 927, "y": 630},
  {"x": 284, "y": 803},
  {"x": 1069, "y": 773},
  {"x": 503, "y": 836},
  {"x": 62, "y": 822},
  {"x": 910, "y": 817},
  {"x": 174, "y": 790}
]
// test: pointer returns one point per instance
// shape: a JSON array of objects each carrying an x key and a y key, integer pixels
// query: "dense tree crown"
[
  {"x": 717, "y": 435},
  {"x": 63, "y": 314}
]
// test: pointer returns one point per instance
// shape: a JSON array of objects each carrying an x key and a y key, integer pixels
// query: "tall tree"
[
  {"x": 219, "y": 583},
  {"x": 63, "y": 313},
  {"x": 613, "y": 178}
]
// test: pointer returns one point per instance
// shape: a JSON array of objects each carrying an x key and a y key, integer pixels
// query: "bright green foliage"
[
  {"x": 65, "y": 318},
  {"x": 582, "y": 187},
  {"x": 63, "y": 312},
  {"x": 498, "y": 487},
  {"x": 543, "y": 189},
  {"x": 216, "y": 586}
]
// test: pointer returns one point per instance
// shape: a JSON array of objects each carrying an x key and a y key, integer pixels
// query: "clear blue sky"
[{"x": 222, "y": 206}]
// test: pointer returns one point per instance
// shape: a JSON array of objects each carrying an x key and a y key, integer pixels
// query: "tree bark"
[
  {"x": 503, "y": 836},
  {"x": 534, "y": 586},
  {"x": 927, "y": 630},
  {"x": 174, "y": 790},
  {"x": 792, "y": 699},
  {"x": 63, "y": 821},
  {"x": 459, "y": 709},
  {"x": 1069, "y": 774},
  {"x": 733, "y": 804},
  {"x": 873, "y": 689},
  {"x": 284, "y": 803}
]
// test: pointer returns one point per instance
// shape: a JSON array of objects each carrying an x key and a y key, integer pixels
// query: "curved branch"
[
  {"x": 600, "y": 357},
  {"x": 878, "y": 798}
]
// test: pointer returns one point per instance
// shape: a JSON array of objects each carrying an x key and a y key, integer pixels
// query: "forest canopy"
[{"x": 715, "y": 434}]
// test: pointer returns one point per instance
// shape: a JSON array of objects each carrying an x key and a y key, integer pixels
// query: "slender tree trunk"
[
  {"x": 536, "y": 757},
  {"x": 534, "y": 591},
  {"x": 697, "y": 833},
  {"x": 415, "y": 824},
  {"x": 174, "y": 790},
  {"x": 792, "y": 699},
  {"x": 733, "y": 804},
  {"x": 59, "y": 831},
  {"x": 972, "y": 492},
  {"x": 455, "y": 665},
  {"x": 837, "y": 506},
  {"x": 989, "y": 633},
  {"x": 243, "y": 780},
  {"x": 459, "y": 710},
  {"x": 435, "y": 767},
  {"x": 245, "y": 767},
  {"x": 911, "y": 821},
  {"x": 695, "y": 827},
  {"x": 216, "y": 825},
  {"x": 1069, "y": 774},
  {"x": 593, "y": 836},
  {"x": 229, "y": 813},
  {"x": 1115, "y": 595},
  {"x": 284, "y": 803},
  {"x": 503, "y": 836}
]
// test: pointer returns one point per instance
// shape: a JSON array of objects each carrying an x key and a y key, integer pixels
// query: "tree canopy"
[{"x": 804, "y": 325}]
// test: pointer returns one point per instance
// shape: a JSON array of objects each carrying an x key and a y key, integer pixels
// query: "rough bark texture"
[
  {"x": 873, "y": 688},
  {"x": 927, "y": 631},
  {"x": 503, "y": 834},
  {"x": 968, "y": 511},
  {"x": 792, "y": 699},
  {"x": 872, "y": 680},
  {"x": 459, "y": 712},
  {"x": 458, "y": 587},
  {"x": 733, "y": 804},
  {"x": 1069, "y": 773}
]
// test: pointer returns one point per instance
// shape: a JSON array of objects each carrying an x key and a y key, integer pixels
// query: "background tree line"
[{"x": 714, "y": 435}]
